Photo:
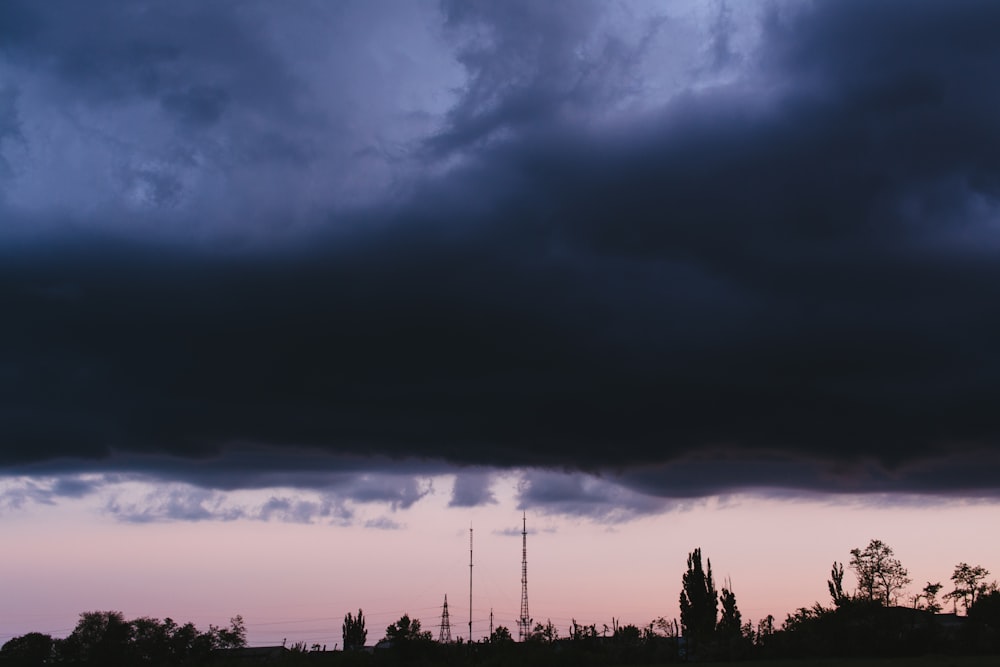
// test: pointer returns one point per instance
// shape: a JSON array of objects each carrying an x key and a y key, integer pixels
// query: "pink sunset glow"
[
  {"x": 296, "y": 581},
  {"x": 293, "y": 294}
]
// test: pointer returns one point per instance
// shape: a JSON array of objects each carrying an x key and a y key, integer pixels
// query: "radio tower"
[
  {"x": 444, "y": 636},
  {"x": 470, "y": 584},
  {"x": 524, "y": 623}
]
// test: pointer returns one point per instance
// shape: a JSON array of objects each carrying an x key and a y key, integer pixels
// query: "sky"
[{"x": 293, "y": 295}]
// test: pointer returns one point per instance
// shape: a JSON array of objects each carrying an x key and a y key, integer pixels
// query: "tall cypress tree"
[
  {"x": 731, "y": 623},
  {"x": 699, "y": 602},
  {"x": 354, "y": 632}
]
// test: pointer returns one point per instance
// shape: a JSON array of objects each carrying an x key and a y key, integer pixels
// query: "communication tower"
[
  {"x": 470, "y": 584},
  {"x": 524, "y": 622}
]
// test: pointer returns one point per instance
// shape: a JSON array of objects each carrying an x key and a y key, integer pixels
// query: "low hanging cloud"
[
  {"x": 22, "y": 491},
  {"x": 517, "y": 531},
  {"x": 398, "y": 493},
  {"x": 472, "y": 489},
  {"x": 586, "y": 496},
  {"x": 769, "y": 263},
  {"x": 383, "y": 523},
  {"x": 172, "y": 504},
  {"x": 299, "y": 510},
  {"x": 135, "y": 498}
]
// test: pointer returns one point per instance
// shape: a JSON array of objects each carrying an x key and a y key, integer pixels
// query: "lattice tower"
[
  {"x": 444, "y": 636},
  {"x": 524, "y": 622}
]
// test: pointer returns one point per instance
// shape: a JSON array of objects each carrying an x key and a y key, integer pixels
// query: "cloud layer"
[{"x": 768, "y": 259}]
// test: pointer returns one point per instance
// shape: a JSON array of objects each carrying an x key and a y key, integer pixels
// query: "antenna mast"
[
  {"x": 524, "y": 623},
  {"x": 470, "y": 584}
]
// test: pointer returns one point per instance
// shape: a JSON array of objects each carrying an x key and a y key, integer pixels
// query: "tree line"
[
  {"x": 106, "y": 638},
  {"x": 877, "y": 618}
]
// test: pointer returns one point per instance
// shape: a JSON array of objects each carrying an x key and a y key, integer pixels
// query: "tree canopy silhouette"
[
  {"x": 501, "y": 635},
  {"x": 731, "y": 621},
  {"x": 698, "y": 601},
  {"x": 880, "y": 575},
  {"x": 970, "y": 584},
  {"x": 354, "y": 632},
  {"x": 105, "y": 638},
  {"x": 406, "y": 630}
]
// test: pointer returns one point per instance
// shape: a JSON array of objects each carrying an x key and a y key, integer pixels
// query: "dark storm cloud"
[
  {"x": 532, "y": 63},
  {"x": 47, "y": 491},
  {"x": 164, "y": 502},
  {"x": 472, "y": 489},
  {"x": 293, "y": 509},
  {"x": 791, "y": 275},
  {"x": 721, "y": 48},
  {"x": 243, "y": 467},
  {"x": 399, "y": 493},
  {"x": 188, "y": 120},
  {"x": 187, "y": 56},
  {"x": 10, "y": 130},
  {"x": 174, "y": 504},
  {"x": 584, "y": 495}
]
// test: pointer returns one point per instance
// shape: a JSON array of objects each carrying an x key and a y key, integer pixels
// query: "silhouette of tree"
[
  {"x": 151, "y": 638},
  {"x": 627, "y": 634},
  {"x": 185, "y": 639},
  {"x": 929, "y": 595},
  {"x": 99, "y": 638},
  {"x": 579, "y": 632},
  {"x": 235, "y": 636},
  {"x": 879, "y": 575},
  {"x": 804, "y": 616},
  {"x": 668, "y": 628},
  {"x": 501, "y": 635},
  {"x": 406, "y": 630},
  {"x": 836, "y": 584},
  {"x": 986, "y": 610},
  {"x": 765, "y": 630},
  {"x": 355, "y": 634},
  {"x": 731, "y": 622},
  {"x": 969, "y": 584},
  {"x": 28, "y": 650},
  {"x": 733, "y": 637},
  {"x": 547, "y": 633},
  {"x": 699, "y": 601},
  {"x": 105, "y": 638}
]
